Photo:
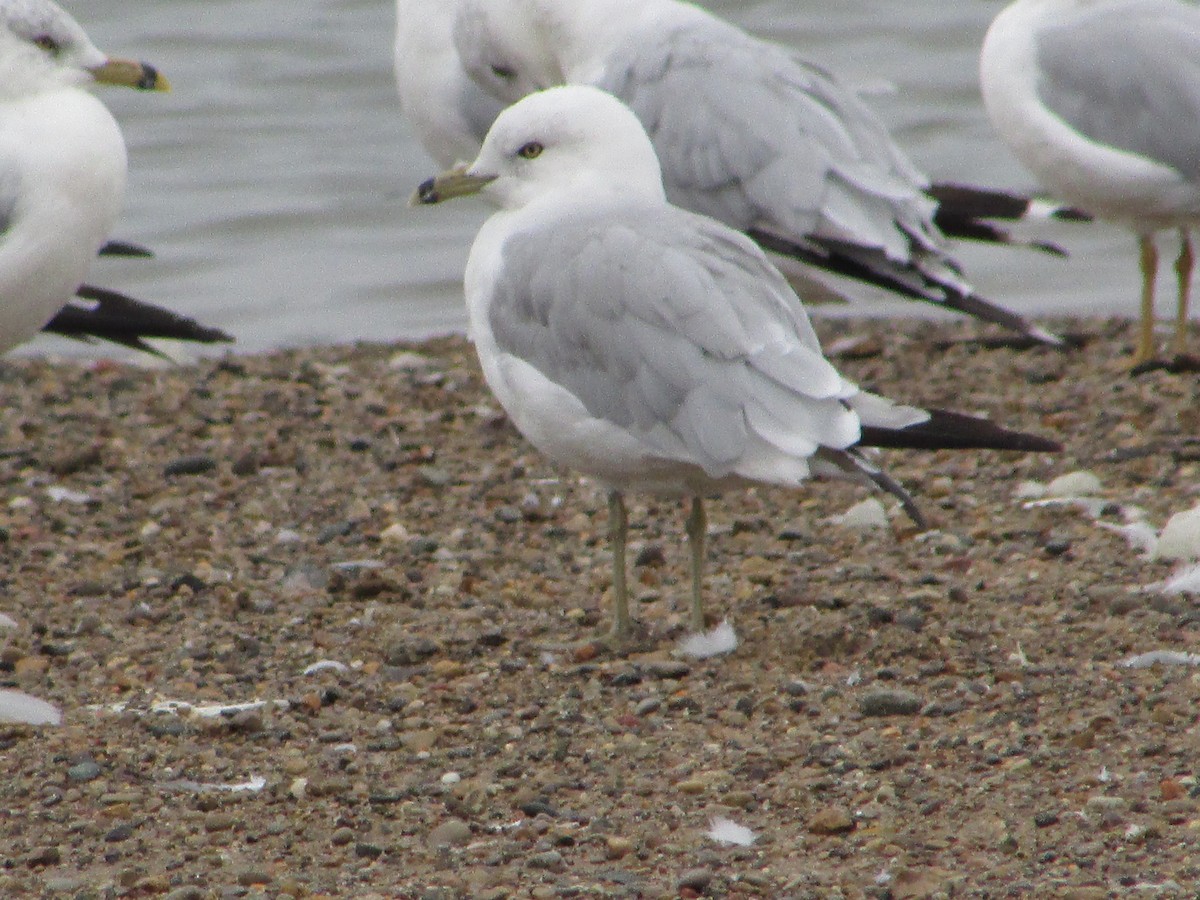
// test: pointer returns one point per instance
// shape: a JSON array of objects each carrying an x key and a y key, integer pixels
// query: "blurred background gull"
[{"x": 272, "y": 183}]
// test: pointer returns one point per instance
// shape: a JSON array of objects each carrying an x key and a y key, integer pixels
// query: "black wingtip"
[
  {"x": 119, "y": 319},
  {"x": 947, "y": 430},
  {"x": 126, "y": 248}
]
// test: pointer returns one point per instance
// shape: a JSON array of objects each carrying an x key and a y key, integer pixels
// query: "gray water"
[{"x": 273, "y": 181}]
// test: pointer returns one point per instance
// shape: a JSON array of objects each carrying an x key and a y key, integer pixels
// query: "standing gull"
[
  {"x": 1101, "y": 100},
  {"x": 62, "y": 178},
  {"x": 746, "y": 133},
  {"x": 449, "y": 112},
  {"x": 650, "y": 347}
]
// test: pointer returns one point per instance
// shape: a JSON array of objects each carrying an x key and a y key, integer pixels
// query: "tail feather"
[
  {"x": 123, "y": 320},
  {"x": 946, "y": 430},
  {"x": 911, "y": 281}
]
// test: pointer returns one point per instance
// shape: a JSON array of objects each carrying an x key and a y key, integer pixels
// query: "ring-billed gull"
[
  {"x": 650, "y": 347},
  {"x": 449, "y": 112},
  {"x": 62, "y": 178},
  {"x": 1101, "y": 100},
  {"x": 746, "y": 133}
]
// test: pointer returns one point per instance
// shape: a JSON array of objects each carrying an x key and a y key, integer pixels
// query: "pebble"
[
  {"x": 190, "y": 465},
  {"x": 831, "y": 820},
  {"x": 44, "y": 856},
  {"x": 695, "y": 879},
  {"x": 87, "y": 770},
  {"x": 618, "y": 847},
  {"x": 452, "y": 833},
  {"x": 666, "y": 669},
  {"x": 64, "y": 885},
  {"x": 890, "y": 703},
  {"x": 549, "y": 859},
  {"x": 647, "y": 706}
]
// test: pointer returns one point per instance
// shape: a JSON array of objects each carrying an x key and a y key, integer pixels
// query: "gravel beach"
[{"x": 320, "y": 623}]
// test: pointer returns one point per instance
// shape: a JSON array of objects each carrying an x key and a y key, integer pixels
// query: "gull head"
[
  {"x": 506, "y": 48},
  {"x": 42, "y": 46},
  {"x": 572, "y": 141}
]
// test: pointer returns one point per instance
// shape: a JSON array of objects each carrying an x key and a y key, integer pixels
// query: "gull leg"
[
  {"x": 1183, "y": 269},
  {"x": 697, "y": 532},
  {"x": 618, "y": 530},
  {"x": 1149, "y": 260}
]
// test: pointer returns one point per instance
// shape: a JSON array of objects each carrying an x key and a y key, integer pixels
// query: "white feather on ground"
[
  {"x": 726, "y": 831},
  {"x": 721, "y": 640}
]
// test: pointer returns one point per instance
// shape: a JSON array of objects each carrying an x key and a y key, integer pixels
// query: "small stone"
[
  {"x": 190, "y": 465},
  {"x": 1171, "y": 789},
  {"x": 219, "y": 821},
  {"x": 618, "y": 847},
  {"x": 831, "y": 820},
  {"x": 890, "y": 703},
  {"x": 122, "y": 832},
  {"x": 1109, "y": 809},
  {"x": 64, "y": 885},
  {"x": 367, "y": 851},
  {"x": 453, "y": 833},
  {"x": 84, "y": 771},
  {"x": 44, "y": 856},
  {"x": 795, "y": 688},
  {"x": 666, "y": 668},
  {"x": 695, "y": 879},
  {"x": 647, "y": 706},
  {"x": 550, "y": 859}
]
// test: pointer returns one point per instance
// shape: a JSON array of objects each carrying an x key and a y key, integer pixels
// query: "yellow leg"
[
  {"x": 697, "y": 532},
  {"x": 1149, "y": 259},
  {"x": 1183, "y": 269},
  {"x": 618, "y": 530}
]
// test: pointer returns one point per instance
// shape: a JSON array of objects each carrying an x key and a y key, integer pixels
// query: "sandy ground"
[{"x": 936, "y": 715}]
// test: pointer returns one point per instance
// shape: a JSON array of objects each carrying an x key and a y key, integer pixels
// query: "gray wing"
[
  {"x": 1128, "y": 75},
  {"x": 754, "y": 137},
  {"x": 675, "y": 329}
]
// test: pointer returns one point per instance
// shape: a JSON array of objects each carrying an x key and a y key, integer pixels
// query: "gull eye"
[
  {"x": 504, "y": 73},
  {"x": 532, "y": 150},
  {"x": 47, "y": 43}
]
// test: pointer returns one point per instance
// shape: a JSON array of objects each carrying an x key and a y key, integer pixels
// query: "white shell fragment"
[
  {"x": 1075, "y": 484},
  {"x": 867, "y": 514},
  {"x": 325, "y": 665},
  {"x": 21, "y": 708},
  {"x": 1180, "y": 537}
]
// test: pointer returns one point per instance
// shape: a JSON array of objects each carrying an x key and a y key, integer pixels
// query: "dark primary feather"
[
  {"x": 955, "y": 431},
  {"x": 126, "y": 248},
  {"x": 966, "y": 202},
  {"x": 114, "y": 317},
  {"x": 911, "y": 282}
]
